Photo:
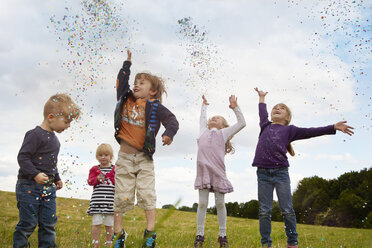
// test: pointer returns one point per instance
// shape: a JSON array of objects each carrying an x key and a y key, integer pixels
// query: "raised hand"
[
  {"x": 261, "y": 94},
  {"x": 341, "y": 126},
  {"x": 205, "y": 102},
  {"x": 233, "y": 101},
  {"x": 129, "y": 55}
]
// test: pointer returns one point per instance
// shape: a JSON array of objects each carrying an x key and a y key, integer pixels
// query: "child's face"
[
  {"x": 279, "y": 114},
  {"x": 58, "y": 123},
  {"x": 104, "y": 159},
  {"x": 143, "y": 89},
  {"x": 216, "y": 122}
]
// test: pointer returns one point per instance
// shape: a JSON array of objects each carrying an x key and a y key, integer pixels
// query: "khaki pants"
[{"x": 134, "y": 173}]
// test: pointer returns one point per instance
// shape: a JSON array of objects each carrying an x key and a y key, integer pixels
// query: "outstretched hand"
[
  {"x": 341, "y": 126},
  {"x": 260, "y": 92},
  {"x": 129, "y": 55},
  {"x": 233, "y": 101},
  {"x": 205, "y": 102}
]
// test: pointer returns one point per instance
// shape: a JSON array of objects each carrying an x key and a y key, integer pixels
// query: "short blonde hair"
[
  {"x": 157, "y": 83},
  {"x": 62, "y": 104},
  {"x": 289, "y": 147},
  {"x": 104, "y": 148}
]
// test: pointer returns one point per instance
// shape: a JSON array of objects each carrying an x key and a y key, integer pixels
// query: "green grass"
[{"x": 177, "y": 231}]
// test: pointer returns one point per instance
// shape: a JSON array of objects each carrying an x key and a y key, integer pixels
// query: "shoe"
[
  {"x": 150, "y": 237},
  {"x": 292, "y": 246},
  {"x": 199, "y": 240},
  {"x": 118, "y": 240},
  {"x": 223, "y": 242}
]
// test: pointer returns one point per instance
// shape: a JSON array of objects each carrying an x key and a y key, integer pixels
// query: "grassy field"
[{"x": 177, "y": 231}]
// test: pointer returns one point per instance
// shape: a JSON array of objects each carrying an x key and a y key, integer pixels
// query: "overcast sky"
[{"x": 315, "y": 56}]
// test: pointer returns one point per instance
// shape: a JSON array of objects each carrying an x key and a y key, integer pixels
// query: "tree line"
[{"x": 344, "y": 202}]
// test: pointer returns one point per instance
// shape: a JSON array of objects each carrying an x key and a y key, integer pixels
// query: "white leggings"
[{"x": 202, "y": 211}]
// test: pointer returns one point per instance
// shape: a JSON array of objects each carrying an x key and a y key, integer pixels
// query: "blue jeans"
[
  {"x": 277, "y": 178},
  {"x": 37, "y": 206}
]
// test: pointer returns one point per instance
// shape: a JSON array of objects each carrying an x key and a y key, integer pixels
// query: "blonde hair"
[
  {"x": 62, "y": 104},
  {"x": 106, "y": 149},
  {"x": 228, "y": 145},
  {"x": 157, "y": 83},
  {"x": 288, "y": 120}
]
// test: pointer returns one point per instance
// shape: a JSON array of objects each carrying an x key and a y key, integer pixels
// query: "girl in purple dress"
[
  {"x": 213, "y": 144},
  {"x": 272, "y": 165}
]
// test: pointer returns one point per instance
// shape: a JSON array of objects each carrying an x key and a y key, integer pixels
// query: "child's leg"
[
  {"x": 28, "y": 202},
  {"x": 118, "y": 222},
  {"x": 145, "y": 186},
  {"x": 47, "y": 217},
  {"x": 265, "y": 197},
  {"x": 202, "y": 210},
  {"x": 109, "y": 222},
  {"x": 150, "y": 218},
  {"x": 283, "y": 191},
  {"x": 125, "y": 182},
  {"x": 221, "y": 212},
  {"x": 96, "y": 229},
  {"x": 109, "y": 233}
]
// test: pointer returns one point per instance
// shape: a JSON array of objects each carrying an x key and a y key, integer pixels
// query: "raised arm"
[
  {"x": 203, "y": 116},
  {"x": 122, "y": 81},
  {"x": 262, "y": 111},
  {"x": 230, "y": 131}
]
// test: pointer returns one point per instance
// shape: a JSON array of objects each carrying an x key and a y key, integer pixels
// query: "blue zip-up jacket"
[{"x": 155, "y": 113}]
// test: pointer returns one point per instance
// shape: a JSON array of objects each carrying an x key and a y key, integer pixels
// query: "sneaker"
[
  {"x": 292, "y": 246},
  {"x": 150, "y": 237},
  {"x": 199, "y": 240},
  {"x": 119, "y": 239},
  {"x": 223, "y": 242}
]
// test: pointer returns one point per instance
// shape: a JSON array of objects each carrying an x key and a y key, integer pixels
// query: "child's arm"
[
  {"x": 203, "y": 116},
  {"x": 111, "y": 175},
  {"x": 170, "y": 123},
  {"x": 122, "y": 81},
  {"x": 262, "y": 111},
  {"x": 298, "y": 133},
  {"x": 230, "y": 131},
  {"x": 93, "y": 176},
  {"x": 28, "y": 149}
]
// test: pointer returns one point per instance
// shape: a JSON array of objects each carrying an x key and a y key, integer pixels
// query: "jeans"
[
  {"x": 37, "y": 206},
  {"x": 277, "y": 178}
]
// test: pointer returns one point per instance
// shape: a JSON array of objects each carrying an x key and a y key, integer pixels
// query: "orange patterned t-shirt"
[{"x": 132, "y": 128}]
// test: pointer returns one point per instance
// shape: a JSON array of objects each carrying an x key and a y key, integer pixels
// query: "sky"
[{"x": 314, "y": 56}]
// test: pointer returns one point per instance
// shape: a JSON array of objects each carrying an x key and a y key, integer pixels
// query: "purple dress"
[{"x": 211, "y": 171}]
